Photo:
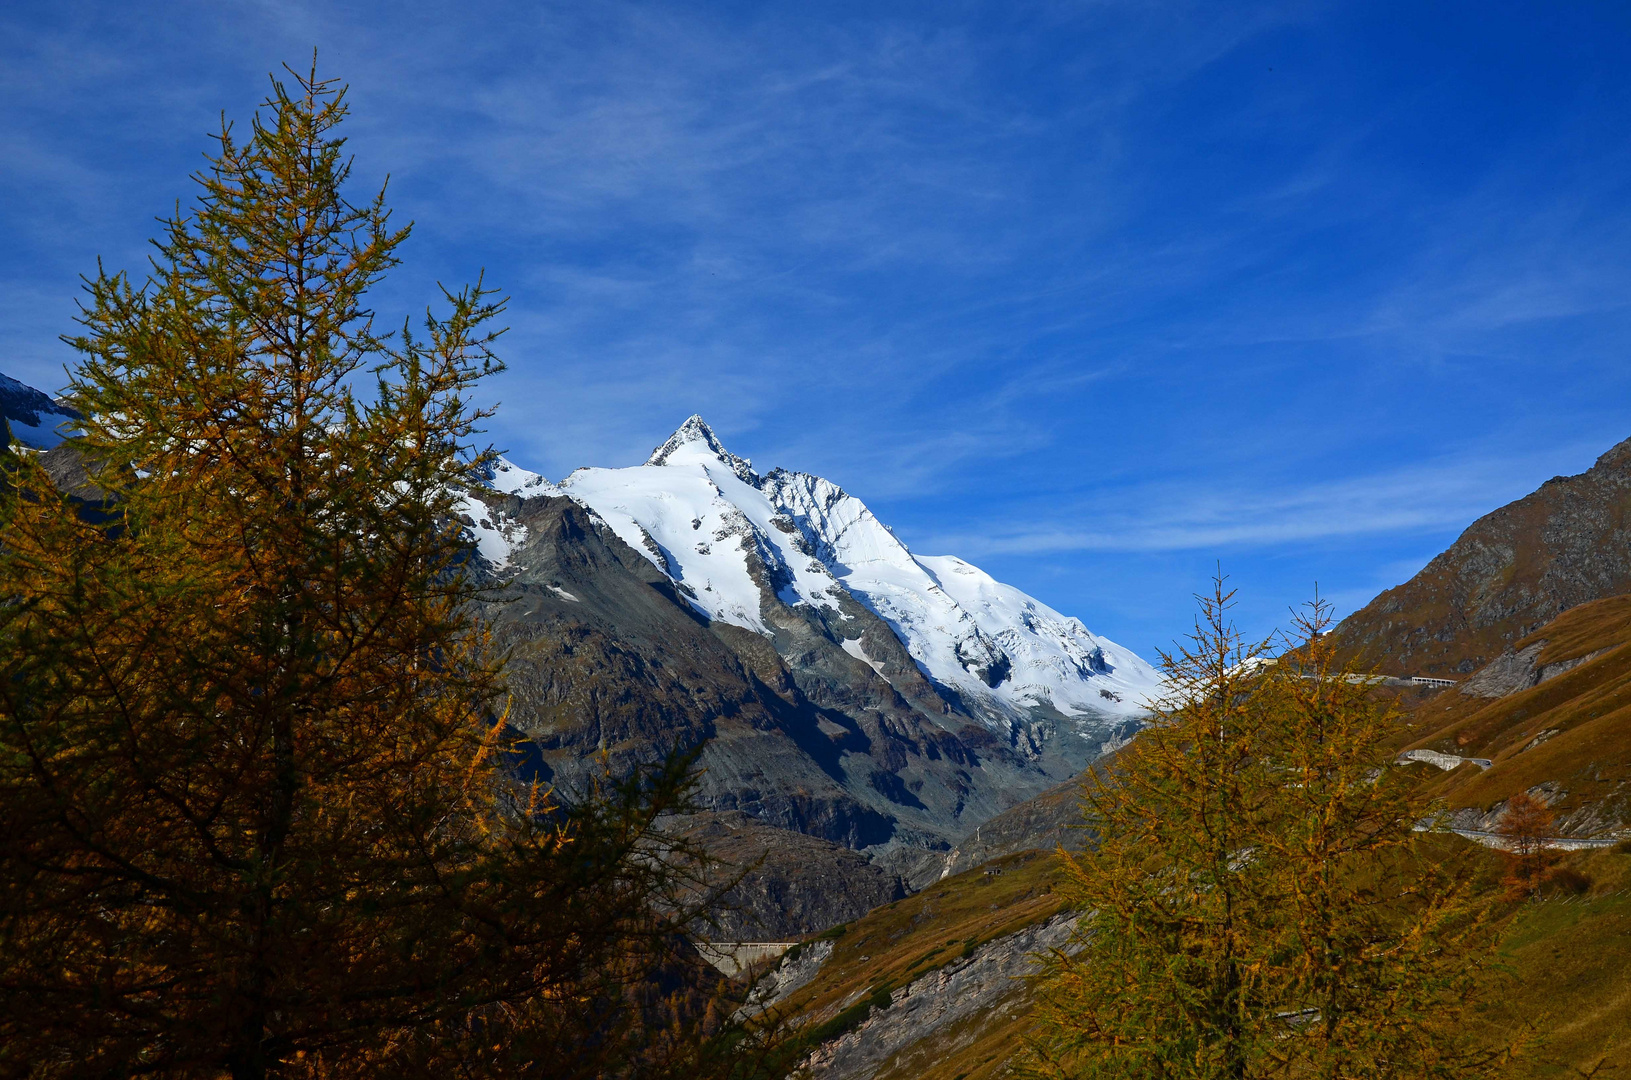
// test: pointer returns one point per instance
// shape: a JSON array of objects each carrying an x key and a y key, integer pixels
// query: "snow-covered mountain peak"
[
  {"x": 35, "y": 419},
  {"x": 694, "y": 440},
  {"x": 738, "y": 546},
  {"x": 504, "y": 475}
]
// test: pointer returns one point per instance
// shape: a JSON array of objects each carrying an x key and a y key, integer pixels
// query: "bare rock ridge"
[{"x": 1511, "y": 572}]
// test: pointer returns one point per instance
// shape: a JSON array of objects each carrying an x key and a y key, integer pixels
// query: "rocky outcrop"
[
  {"x": 1440, "y": 760},
  {"x": 1506, "y": 674},
  {"x": 1511, "y": 572},
  {"x": 1513, "y": 671},
  {"x": 947, "y": 1007},
  {"x": 798, "y": 967}
]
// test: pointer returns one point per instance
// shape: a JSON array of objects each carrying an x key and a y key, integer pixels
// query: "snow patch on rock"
[
  {"x": 495, "y": 536},
  {"x": 35, "y": 419}
]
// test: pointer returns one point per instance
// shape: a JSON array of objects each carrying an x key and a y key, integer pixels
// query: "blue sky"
[{"x": 1095, "y": 295}]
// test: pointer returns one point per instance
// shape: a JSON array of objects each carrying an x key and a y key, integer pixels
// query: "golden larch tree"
[
  {"x": 1258, "y": 901},
  {"x": 1525, "y": 826},
  {"x": 257, "y": 816}
]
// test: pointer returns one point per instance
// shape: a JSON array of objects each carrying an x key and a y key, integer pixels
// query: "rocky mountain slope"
[
  {"x": 731, "y": 540},
  {"x": 31, "y": 416},
  {"x": 795, "y": 883},
  {"x": 1513, "y": 571},
  {"x": 842, "y": 687}
]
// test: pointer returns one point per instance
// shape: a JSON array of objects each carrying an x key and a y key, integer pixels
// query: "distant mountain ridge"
[{"x": 1511, "y": 572}]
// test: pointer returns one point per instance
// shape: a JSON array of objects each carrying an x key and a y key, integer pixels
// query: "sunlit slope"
[
  {"x": 1563, "y": 970},
  {"x": 1566, "y": 958},
  {"x": 1571, "y": 733},
  {"x": 1512, "y": 571},
  {"x": 1569, "y": 959}
]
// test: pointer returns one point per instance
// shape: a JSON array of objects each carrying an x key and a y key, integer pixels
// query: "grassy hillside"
[
  {"x": 1512, "y": 571},
  {"x": 1569, "y": 963},
  {"x": 1565, "y": 960},
  {"x": 1572, "y": 732}
]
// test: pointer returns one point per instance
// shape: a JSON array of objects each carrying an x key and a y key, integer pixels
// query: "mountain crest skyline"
[{"x": 695, "y": 437}]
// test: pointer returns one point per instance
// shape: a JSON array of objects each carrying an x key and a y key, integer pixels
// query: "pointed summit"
[{"x": 695, "y": 438}]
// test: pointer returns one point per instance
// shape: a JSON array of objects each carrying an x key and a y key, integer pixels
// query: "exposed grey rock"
[
  {"x": 1548, "y": 672},
  {"x": 796, "y": 969},
  {"x": 1440, "y": 760},
  {"x": 1589, "y": 820},
  {"x": 72, "y": 472},
  {"x": 1506, "y": 674},
  {"x": 983, "y": 988},
  {"x": 1514, "y": 671}
]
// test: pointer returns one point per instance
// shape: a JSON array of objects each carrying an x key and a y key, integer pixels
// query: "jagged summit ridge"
[{"x": 695, "y": 437}]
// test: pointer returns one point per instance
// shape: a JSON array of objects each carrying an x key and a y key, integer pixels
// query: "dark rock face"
[
  {"x": 1046, "y": 822},
  {"x": 608, "y": 663},
  {"x": 1510, "y": 573},
  {"x": 791, "y": 885}
]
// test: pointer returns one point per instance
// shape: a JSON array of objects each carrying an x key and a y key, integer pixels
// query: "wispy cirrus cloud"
[
  {"x": 1063, "y": 286},
  {"x": 1230, "y": 517}
]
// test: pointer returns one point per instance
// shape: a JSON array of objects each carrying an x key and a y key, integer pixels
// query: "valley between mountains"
[
  {"x": 891, "y": 740},
  {"x": 890, "y": 744}
]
